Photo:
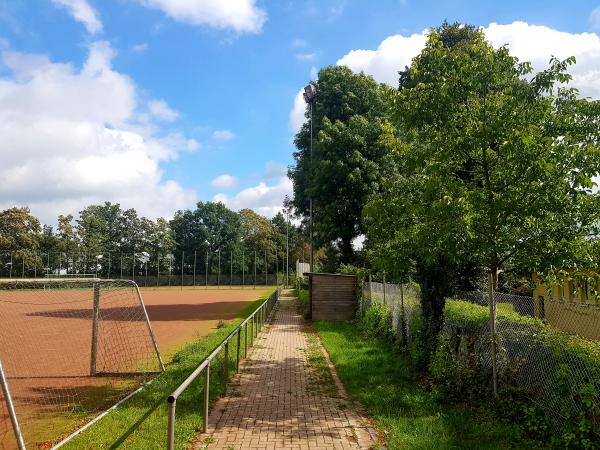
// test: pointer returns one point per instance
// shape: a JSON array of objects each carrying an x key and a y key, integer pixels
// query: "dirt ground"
[{"x": 45, "y": 342}]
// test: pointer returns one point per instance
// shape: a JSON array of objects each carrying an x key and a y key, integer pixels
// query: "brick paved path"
[{"x": 271, "y": 404}]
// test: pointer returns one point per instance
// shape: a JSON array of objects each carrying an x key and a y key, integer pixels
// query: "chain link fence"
[{"x": 547, "y": 350}]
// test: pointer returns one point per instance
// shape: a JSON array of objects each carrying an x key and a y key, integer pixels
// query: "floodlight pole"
[
  {"x": 310, "y": 94},
  {"x": 287, "y": 249}
]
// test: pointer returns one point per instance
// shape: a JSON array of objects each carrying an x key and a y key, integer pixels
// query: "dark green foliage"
[
  {"x": 346, "y": 166},
  {"x": 566, "y": 370}
]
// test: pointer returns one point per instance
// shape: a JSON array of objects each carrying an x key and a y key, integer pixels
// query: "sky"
[{"x": 158, "y": 104}]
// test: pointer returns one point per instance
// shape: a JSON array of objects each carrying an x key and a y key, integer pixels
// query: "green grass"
[
  {"x": 407, "y": 416},
  {"x": 141, "y": 422},
  {"x": 302, "y": 295}
]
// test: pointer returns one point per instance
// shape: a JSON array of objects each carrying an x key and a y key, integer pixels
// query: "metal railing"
[{"x": 255, "y": 321}]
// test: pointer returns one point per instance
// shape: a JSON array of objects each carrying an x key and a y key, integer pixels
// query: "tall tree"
[
  {"x": 344, "y": 167},
  {"x": 496, "y": 163},
  {"x": 210, "y": 227}
]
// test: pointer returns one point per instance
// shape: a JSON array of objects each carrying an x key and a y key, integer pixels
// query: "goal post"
[{"x": 69, "y": 349}]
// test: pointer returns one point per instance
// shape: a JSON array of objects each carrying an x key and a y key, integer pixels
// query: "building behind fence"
[{"x": 546, "y": 348}]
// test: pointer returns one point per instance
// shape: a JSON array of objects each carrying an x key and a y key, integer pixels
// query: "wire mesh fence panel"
[
  {"x": 547, "y": 350},
  {"x": 402, "y": 300},
  {"x": 70, "y": 349}
]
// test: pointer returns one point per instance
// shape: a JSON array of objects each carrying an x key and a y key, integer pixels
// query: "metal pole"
[
  {"x": 109, "y": 265},
  {"x": 226, "y": 368},
  {"x": 266, "y": 271},
  {"x": 492, "y": 303},
  {"x": 171, "y": 256},
  {"x": 276, "y": 268},
  {"x": 157, "y": 269},
  {"x": 132, "y": 267},
  {"x": 206, "y": 395},
  {"x": 11, "y": 410},
  {"x": 230, "y": 268},
  {"x": 23, "y": 268},
  {"x": 219, "y": 270},
  {"x": 243, "y": 270},
  {"x": 149, "y": 326},
  {"x": 206, "y": 276},
  {"x": 311, "y": 202},
  {"x": 239, "y": 342},
  {"x": 59, "y": 262},
  {"x": 246, "y": 342},
  {"x": 121, "y": 265},
  {"x": 95, "y": 324},
  {"x": 182, "y": 262},
  {"x": 384, "y": 302},
  {"x": 171, "y": 432},
  {"x": 48, "y": 262},
  {"x": 287, "y": 249},
  {"x": 254, "y": 269},
  {"x": 194, "y": 267}
]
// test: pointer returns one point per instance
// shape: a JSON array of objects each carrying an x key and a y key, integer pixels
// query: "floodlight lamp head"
[{"x": 310, "y": 92}]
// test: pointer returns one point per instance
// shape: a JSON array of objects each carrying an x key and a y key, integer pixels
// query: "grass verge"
[
  {"x": 302, "y": 295},
  {"x": 141, "y": 422},
  {"x": 407, "y": 416}
]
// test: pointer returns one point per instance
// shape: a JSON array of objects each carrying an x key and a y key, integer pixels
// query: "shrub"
[
  {"x": 377, "y": 321},
  {"x": 536, "y": 363}
]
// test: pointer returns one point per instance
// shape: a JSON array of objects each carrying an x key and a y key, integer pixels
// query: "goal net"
[{"x": 69, "y": 348}]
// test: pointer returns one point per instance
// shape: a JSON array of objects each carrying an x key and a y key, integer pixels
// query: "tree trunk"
[
  {"x": 347, "y": 250},
  {"x": 436, "y": 281}
]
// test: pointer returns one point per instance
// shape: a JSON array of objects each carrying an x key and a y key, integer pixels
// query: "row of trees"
[
  {"x": 473, "y": 165},
  {"x": 102, "y": 234}
]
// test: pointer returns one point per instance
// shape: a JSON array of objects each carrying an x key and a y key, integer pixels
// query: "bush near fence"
[{"x": 549, "y": 381}]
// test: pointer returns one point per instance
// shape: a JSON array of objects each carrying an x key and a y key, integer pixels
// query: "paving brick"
[{"x": 274, "y": 407}]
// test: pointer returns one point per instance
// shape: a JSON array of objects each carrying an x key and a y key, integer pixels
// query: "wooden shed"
[{"x": 332, "y": 296}]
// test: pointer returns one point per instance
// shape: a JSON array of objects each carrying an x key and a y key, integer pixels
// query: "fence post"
[
  {"x": 206, "y": 395},
  {"x": 157, "y": 269},
  {"x": 226, "y": 367},
  {"x": 95, "y": 323},
  {"x": 246, "y": 342},
  {"x": 194, "y": 267},
  {"x": 402, "y": 315},
  {"x": 239, "y": 343},
  {"x": 384, "y": 302},
  {"x": 182, "y": 262},
  {"x": 492, "y": 303}
]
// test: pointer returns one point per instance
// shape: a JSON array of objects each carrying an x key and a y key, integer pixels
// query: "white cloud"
[
  {"x": 160, "y": 110},
  {"x": 306, "y": 56},
  {"x": 70, "y": 137},
  {"x": 223, "y": 135},
  {"x": 595, "y": 19},
  {"x": 297, "y": 117},
  {"x": 264, "y": 199},
  {"x": 243, "y": 16},
  {"x": 533, "y": 43},
  {"x": 224, "y": 181},
  {"x": 392, "y": 55},
  {"x": 139, "y": 48},
  {"x": 82, "y": 12}
]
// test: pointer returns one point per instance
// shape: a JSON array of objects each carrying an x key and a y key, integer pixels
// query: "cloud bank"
[
  {"x": 533, "y": 43},
  {"x": 73, "y": 136}
]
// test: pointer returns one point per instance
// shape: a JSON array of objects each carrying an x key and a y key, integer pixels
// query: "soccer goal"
[{"x": 69, "y": 349}]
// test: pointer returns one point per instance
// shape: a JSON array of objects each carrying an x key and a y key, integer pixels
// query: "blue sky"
[{"x": 148, "y": 102}]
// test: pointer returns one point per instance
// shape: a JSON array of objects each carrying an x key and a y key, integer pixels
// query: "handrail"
[{"x": 256, "y": 321}]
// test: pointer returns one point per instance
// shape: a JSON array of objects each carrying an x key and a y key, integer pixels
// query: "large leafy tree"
[
  {"x": 210, "y": 227},
  {"x": 20, "y": 234},
  {"x": 344, "y": 169},
  {"x": 496, "y": 162}
]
